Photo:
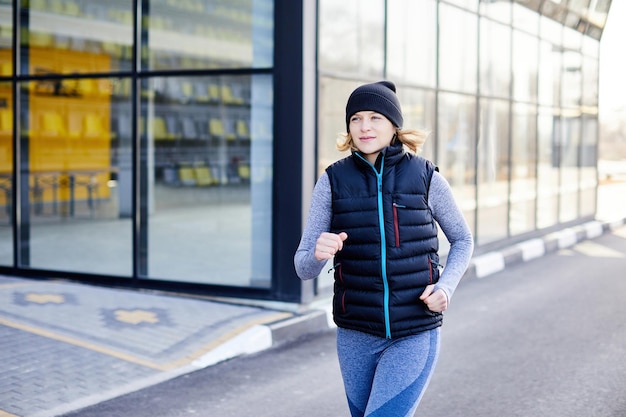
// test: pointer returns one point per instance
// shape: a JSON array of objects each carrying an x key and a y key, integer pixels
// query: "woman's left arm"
[{"x": 450, "y": 218}]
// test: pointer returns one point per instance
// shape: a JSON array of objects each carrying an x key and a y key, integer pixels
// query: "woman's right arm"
[{"x": 318, "y": 222}]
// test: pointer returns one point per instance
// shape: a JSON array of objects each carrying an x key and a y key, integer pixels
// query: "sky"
[{"x": 613, "y": 60}]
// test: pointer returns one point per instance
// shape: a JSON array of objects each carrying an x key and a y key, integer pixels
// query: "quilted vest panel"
[{"x": 390, "y": 255}]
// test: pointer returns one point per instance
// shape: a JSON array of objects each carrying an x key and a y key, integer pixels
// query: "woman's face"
[{"x": 370, "y": 133}]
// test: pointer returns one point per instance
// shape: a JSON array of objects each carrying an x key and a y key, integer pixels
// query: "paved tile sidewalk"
[{"x": 64, "y": 346}]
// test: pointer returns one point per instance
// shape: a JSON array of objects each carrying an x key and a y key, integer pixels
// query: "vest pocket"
[
  {"x": 339, "y": 301},
  {"x": 340, "y": 291},
  {"x": 338, "y": 272},
  {"x": 408, "y": 211},
  {"x": 396, "y": 224},
  {"x": 433, "y": 268}
]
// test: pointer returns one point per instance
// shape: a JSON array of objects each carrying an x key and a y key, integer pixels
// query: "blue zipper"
[{"x": 383, "y": 244}]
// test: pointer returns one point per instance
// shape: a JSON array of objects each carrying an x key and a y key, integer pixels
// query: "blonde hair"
[{"x": 412, "y": 139}]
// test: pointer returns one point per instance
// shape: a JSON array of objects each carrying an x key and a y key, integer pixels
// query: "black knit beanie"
[{"x": 379, "y": 97}]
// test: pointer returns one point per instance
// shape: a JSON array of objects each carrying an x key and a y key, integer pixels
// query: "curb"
[{"x": 491, "y": 262}]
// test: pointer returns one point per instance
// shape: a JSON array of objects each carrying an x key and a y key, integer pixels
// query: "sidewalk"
[{"x": 65, "y": 346}]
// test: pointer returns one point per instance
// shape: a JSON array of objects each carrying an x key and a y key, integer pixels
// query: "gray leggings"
[{"x": 386, "y": 377}]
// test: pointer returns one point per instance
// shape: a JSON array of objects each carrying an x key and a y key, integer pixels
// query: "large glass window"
[
  {"x": 571, "y": 76},
  {"x": 496, "y": 10},
  {"x": 493, "y": 171},
  {"x": 418, "y": 109},
  {"x": 352, "y": 36},
  {"x": 412, "y": 59},
  {"x": 87, "y": 36},
  {"x": 456, "y": 144},
  {"x": 468, "y": 4},
  {"x": 589, "y": 140},
  {"x": 208, "y": 175},
  {"x": 6, "y": 40},
  {"x": 590, "y": 74},
  {"x": 525, "y": 18},
  {"x": 209, "y": 34},
  {"x": 456, "y": 131},
  {"x": 523, "y": 169},
  {"x": 571, "y": 79},
  {"x": 588, "y": 169},
  {"x": 74, "y": 187},
  {"x": 572, "y": 39},
  {"x": 549, "y": 74},
  {"x": 548, "y": 137},
  {"x": 205, "y": 142},
  {"x": 6, "y": 173},
  {"x": 495, "y": 59},
  {"x": 458, "y": 35},
  {"x": 333, "y": 95},
  {"x": 591, "y": 47},
  {"x": 6, "y": 137},
  {"x": 526, "y": 160},
  {"x": 76, "y": 165},
  {"x": 525, "y": 51},
  {"x": 569, "y": 158},
  {"x": 550, "y": 30}
]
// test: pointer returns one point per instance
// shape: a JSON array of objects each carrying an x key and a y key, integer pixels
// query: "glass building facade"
[{"x": 174, "y": 144}]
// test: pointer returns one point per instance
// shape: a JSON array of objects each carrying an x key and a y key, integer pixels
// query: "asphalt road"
[{"x": 544, "y": 338}]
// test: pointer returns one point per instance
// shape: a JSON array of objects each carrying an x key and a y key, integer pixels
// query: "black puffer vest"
[{"x": 377, "y": 286}]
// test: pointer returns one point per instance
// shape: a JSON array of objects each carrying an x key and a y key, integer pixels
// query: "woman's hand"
[
  {"x": 328, "y": 244},
  {"x": 437, "y": 301}
]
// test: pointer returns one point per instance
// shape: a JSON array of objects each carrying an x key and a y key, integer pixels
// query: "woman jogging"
[{"x": 375, "y": 213}]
